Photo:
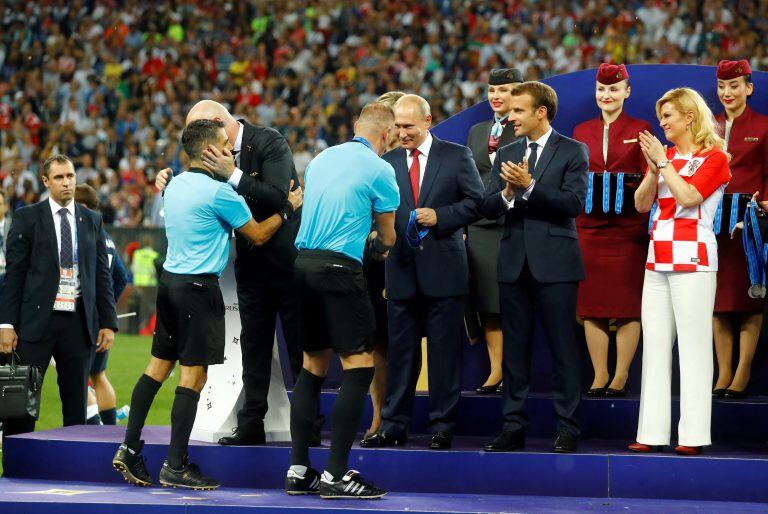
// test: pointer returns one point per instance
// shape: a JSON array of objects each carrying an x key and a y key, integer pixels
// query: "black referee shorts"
[
  {"x": 190, "y": 320},
  {"x": 334, "y": 307}
]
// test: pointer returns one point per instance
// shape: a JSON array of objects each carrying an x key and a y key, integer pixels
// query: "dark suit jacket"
[
  {"x": 452, "y": 187},
  {"x": 32, "y": 274},
  {"x": 542, "y": 229},
  {"x": 267, "y": 165},
  {"x": 478, "y": 143}
]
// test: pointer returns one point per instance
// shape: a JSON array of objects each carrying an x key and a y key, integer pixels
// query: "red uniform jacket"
[
  {"x": 626, "y": 157},
  {"x": 748, "y": 146}
]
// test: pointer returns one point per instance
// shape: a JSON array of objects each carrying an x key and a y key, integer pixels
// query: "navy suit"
[
  {"x": 539, "y": 269},
  {"x": 28, "y": 294},
  {"x": 426, "y": 286}
]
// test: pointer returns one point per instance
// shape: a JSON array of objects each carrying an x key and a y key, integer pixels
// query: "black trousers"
[
  {"x": 555, "y": 305},
  {"x": 66, "y": 340},
  {"x": 442, "y": 321},
  {"x": 262, "y": 295}
]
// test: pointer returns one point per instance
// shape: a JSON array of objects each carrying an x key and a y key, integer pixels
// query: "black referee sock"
[
  {"x": 183, "y": 415},
  {"x": 345, "y": 419},
  {"x": 143, "y": 395},
  {"x": 109, "y": 416},
  {"x": 305, "y": 401}
]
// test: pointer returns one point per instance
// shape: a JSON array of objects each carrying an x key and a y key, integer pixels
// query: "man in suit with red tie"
[
  {"x": 539, "y": 184},
  {"x": 427, "y": 273}
]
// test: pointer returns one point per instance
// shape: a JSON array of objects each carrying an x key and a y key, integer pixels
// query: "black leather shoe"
[
  {"x": 491, "y": 389},
  {"x": 242, "y": 437},
  {"x": 597, "y": 392},
  {"x": 719, "y": 393},
  {"x": 188, "y": 477},
  {"x": 296, "y": 484},
  {"x": 382, "y": 440},
  {"x": 441, "y": 441},
  {"x": 565, "y": 443},
  {"x": 732, "y": 394},
  {"x": 131, "y": 465},
  {"x": 351, "y": 486},
  {"x": 617, "y": 393},
  {"x": 508, "y": 441}
]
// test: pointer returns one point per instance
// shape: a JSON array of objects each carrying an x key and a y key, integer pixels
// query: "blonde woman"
[
  {"x": 686, "y": 182},
  {"x": 374, "y": 275}
]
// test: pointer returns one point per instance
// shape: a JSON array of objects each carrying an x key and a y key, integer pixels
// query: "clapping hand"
[
  {"x": 516, "y": 177},
  {"x": 653, "y": 151}
]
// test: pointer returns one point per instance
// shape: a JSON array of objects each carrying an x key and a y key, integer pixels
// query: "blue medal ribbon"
[
  {"x": 651, "y": 215},
  {"x": 359, "y": 139},
  {"x": 414, "y": 232},
  {"x": 734, "y": 212},
  {"x": 619, "y": 204},
  {"x": 718, "y": 216},
  {"x": 606, "y": 192},
  {"x": 755, "y": 252},
  {"x": 590, "y": 192}
]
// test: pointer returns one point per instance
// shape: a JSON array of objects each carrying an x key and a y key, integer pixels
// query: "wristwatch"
[{"x": 662, "y": 164}]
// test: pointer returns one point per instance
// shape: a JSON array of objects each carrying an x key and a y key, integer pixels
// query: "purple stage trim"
[{"x": 40, "y": 496}]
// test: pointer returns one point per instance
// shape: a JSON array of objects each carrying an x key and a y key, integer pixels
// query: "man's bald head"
[
  {"x": 214, "y": 111},
  {"x": 414, "y": 102},
  {"x": 412, "y": 121}
]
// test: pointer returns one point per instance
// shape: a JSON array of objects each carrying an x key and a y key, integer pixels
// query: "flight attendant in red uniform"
[
  {"x": 746, "y": 137},
  {"x": 614, "y": 246}
]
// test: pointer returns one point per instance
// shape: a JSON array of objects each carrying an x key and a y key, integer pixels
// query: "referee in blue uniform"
[
  {"x": 348, "y": 187},
  {"x": 200, "y": 215}
]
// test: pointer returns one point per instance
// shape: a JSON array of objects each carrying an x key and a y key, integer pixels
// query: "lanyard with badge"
[{"x": 66, "y": 296}]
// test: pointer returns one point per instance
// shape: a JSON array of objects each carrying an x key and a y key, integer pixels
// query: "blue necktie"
[
  {"x": 66, "y": 256},
  {"x": 532, "y": 157}
]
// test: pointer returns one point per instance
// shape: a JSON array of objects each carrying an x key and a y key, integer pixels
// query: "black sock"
[
  {"x": 93, "y": 420},
  {"x": 345, "y": 420},
  {"x": 305, "y": 401},
  {"x": 183, "y": 415},
  {"x": 109, "y": 416},
  {"x": 143, "y": 395}
]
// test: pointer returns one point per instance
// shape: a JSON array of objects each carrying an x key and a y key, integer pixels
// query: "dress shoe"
[
  {"x": 382, "y": 440},
  {"x": 643, "y": 448},
  {"x": 719, "y": 393},
  {"x": 441, "y": 441},
  {"x": 242, "y": 437},
  {"x": 490, "y": 389},
  {"x": 732, "y": 394},
  {"x": 565, "y": 442},
  {"x": 617, "y": 393},
  {"x": 688, "y": 450},
  {"x": 508, "y": 441},
  {"x": 597, "y": 392}
]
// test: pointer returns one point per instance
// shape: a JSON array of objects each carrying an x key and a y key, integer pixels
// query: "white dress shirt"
[
  {"x": 541, "y": 142},
  {"x": 423, "y": 149},
  {"x": 234, "y": 179}
]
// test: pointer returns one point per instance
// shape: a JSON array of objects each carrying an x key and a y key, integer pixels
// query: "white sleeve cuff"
[
  {"x": 529, "y": 189},
  {"x": 234, "y": 179},
  {"x": 508, "y": 203},
  {"x": 6, "y": 325}
]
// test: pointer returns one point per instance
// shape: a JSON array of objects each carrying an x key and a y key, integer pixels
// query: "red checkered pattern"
[{"x": 682, "y": 239}]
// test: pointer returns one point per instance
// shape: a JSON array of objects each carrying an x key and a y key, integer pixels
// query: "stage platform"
[{"x": 420, "y": 479}]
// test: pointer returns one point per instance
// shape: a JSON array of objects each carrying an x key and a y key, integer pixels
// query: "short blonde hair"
[
  {"x": 390, "y": 98},
  {"x": 686, "y": 100}
]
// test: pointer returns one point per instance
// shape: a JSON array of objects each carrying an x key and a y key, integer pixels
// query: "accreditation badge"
[{"x": 66, "y": 294}]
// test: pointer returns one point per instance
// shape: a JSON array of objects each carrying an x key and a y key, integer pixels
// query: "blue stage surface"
[
  {"x": 601, "y": 468},
  {"x": 46, "y": 497}
]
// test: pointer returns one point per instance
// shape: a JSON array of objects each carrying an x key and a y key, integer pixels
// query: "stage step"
[
  {"x": 601, "y": 468},
  {"x": 46, "y": 497},
  {"x": 601, "y": 418}
]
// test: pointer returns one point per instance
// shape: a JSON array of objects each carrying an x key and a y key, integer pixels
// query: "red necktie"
[{"x": 415, "y": 173}]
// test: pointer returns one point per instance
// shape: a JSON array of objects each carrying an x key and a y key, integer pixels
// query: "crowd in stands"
[{"x": 107, "y": 82}]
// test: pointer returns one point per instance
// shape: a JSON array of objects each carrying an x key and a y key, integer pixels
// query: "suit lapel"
[
  {"x": 81, "y": 232},
  {"x": 507, "y": 135},
  {"x": 46, "y": 218},
  {"x": 483, "y": 150},
  {"x": 401, "y": 173},
  {"x": 246, "y": 145},
  {"x": 431, "y": 170},
  {"x": 546, "y": 155}
]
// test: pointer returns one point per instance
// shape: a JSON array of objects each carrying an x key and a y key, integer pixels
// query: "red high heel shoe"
[
  {"x": 643, "y": 448},
  {"x": 688, "y": 450}
]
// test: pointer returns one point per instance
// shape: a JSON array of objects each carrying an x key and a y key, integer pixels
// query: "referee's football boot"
[
  {"x": 296, "y": 484},
  {"x": 188, "y": 477},
  {"x": 132, "y": 466},
  {"x": 350, "y": 487}
]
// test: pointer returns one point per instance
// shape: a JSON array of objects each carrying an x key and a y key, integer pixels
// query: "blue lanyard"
[
  {"x": 359, "y": 139},
  {"x": 619, "y": 204},
  {"x": 590, "y": 192},
  {"x": 414, "y": 232},
  {"x": 651, "y": 215},
  {"x": 734, "y": 212},
  {"x": 606, "y": 192},
  {"x": 755, "y": 252},
  {"x": 718, "y": 216}
]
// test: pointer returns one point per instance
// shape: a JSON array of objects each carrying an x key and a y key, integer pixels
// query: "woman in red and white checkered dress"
[{"x": 686, "y": 182}]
